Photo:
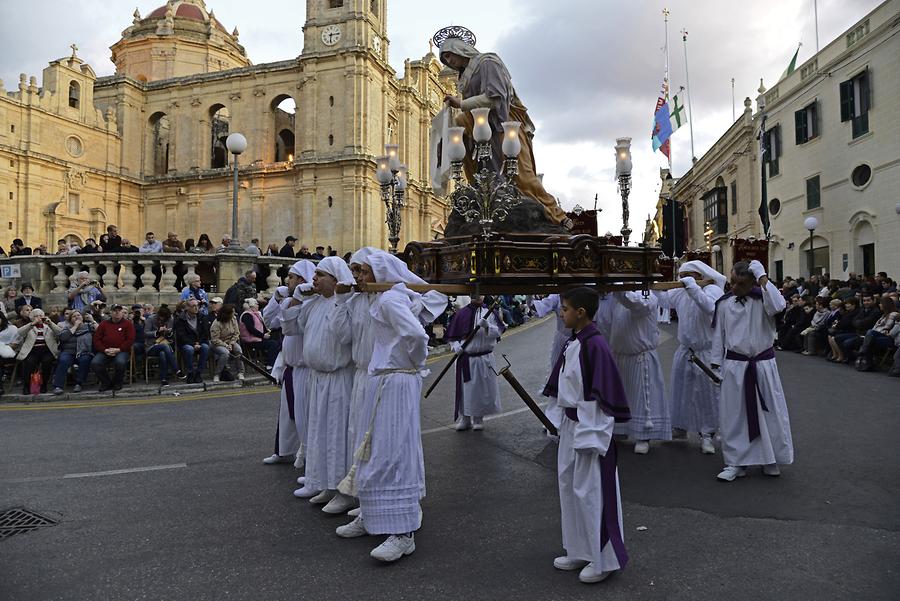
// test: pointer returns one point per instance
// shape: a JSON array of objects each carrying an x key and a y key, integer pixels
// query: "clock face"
[
  {"x": 376, "y": 44},
  {"x": 331, "y": 35}
]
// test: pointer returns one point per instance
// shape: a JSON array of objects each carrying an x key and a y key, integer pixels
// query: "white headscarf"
[
  {"x": 361, "y": 256},
  {"x": 389, "y": 268},
  {"x": 336, "y": 267},
  {"x": 305, "y": 269},
  {"x": 705, "y": 270}
]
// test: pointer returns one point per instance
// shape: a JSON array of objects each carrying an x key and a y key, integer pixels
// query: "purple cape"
[
  {"x": 602, "y": 382},
  {"x": 463, "y": 322},
  {"x": 755, "y": 292}
]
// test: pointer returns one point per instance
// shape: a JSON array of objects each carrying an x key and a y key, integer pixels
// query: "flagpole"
[
  {"x": 733, "y": 116},
  {"x": 687, "y": 80},
  {"x": 665, "y": 12},
  {"x": 816, "y": 14}
]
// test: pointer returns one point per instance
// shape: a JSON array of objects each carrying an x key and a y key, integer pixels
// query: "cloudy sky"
[{"x": 588, "y": 70}]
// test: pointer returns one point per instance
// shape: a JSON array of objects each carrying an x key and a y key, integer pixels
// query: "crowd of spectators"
[{"x": 853, "y": 322}]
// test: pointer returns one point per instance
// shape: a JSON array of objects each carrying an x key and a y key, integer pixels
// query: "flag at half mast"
[{"x": 667, "y": 118}]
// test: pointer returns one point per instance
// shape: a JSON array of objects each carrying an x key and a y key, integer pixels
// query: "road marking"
[
  {"x": 452, "y": 426},
  {"x": 131, "y": 470}
]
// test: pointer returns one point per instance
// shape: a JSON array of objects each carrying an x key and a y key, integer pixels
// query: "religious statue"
[{"x": 484, "y": 81}]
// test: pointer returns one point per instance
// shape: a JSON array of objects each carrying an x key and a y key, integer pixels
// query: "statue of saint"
[{"x": 484, "y": 81}]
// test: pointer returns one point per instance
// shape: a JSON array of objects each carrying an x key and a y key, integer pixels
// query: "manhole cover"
[{"x": 20, "y": 520}]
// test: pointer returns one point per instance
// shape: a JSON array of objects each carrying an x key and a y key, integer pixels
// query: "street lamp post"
[
  {"x": 623, "y": 174},
  {"x": 811, "y": 223},
  {"x": 716, "y": 249},
  {"x": 236, "y": 144},
  {"x": 392, "y": 177}
]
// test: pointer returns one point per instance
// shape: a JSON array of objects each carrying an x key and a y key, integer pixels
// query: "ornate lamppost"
[
  {"x": 491, "y": 195},
  {"x": 393, "y": 178},
  {"x": 811, "y": 223},
  {"x": 623, "y": 174},
  {"x": 236, "y": 144}
]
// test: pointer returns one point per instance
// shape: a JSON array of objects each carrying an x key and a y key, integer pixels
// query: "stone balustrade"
[{"x": 129, "y": 278}]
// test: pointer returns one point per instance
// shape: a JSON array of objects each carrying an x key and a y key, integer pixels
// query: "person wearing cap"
[
  {"x": 112, "y": 342},
  {"x": 215, "y": 305},
  {"x": 194, "y": 289},
  {"x": 28, "y": 297},
  {"x": 288, "y": 249},
  {"x": 695, "y": 398},
  {"x": 38, "y": 348},
  {"x": 319, "y": 254}
]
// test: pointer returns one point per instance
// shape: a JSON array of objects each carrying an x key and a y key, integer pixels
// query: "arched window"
[
  {"x": 160, "y": 136},
  {"x": 283, "y": 109},
  {"x": 284, "y": 146},
  {"x": 74, "y": 94},
  {"x": 218, "y": 124}
]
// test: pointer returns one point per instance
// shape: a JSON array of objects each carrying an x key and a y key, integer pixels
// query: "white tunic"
[
  {"x": 749, "y": 329},
  {"x": 360, "y": 323},
  {"x": 581, "y": 443},
  {"x": 695, "y": 398},
  {"x": 391, "y": 480},
  {"x": 633, "y": 330},
  {"x": 546, "y": 306},
  {"x": 292, "y": 357},
  {"x": 481, "y": 394},
  {"x": 288, "y": 431},
  {"x": 326, "y": 353}
]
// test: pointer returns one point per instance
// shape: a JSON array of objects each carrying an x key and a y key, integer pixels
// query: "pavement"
[{"x": 166, "y": 497}]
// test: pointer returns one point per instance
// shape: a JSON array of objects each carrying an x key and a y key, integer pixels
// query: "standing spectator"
[
  {"x": 304, "y": 253},
  {"x": 224, "y": 336},
  {"x": 41, "y": 250},
  {"x": 127, "y": 247},
  {"x": 113, "y": 340},
  {"x": 288, "y": 249},
  {"x": 104, "y": 243},
  {"x": 159, "y": 332},
  {"x": 38, "y": 349},
  {"x": 226, "y": 242},
  {"x": 192, "y": 334},
  {"x": 319, "y": 254},
  {"x": 84, "y": 292},
  {"x": 194, "y": 289},
  {"x": 190, "y": 245},
  {"x": 172, "y": 244},
  {"x": 18, "y": 248},
  {"x": 10, "y": 300},
  {"x": 253, "y": 248},
  {"x": 114, "y": 239},
  {"x": 28, "y": 297},
  {"x": 205, "y": 245},
  {"x": 8, "y": 335},
  {"x": 879, "y": 336},
  {"x": 241, "y": 290},
  {"x": 254, "y": 333},
  {"x": 272, "y": 250},
  {"x": 90, "y": 247},
  {"x": 151, "y": 244},
  {"x": 62, "y": 247},
  {"x": 76, "y": 347}
]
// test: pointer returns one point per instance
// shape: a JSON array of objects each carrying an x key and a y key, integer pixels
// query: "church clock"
[{"x": 331, "y": 35}]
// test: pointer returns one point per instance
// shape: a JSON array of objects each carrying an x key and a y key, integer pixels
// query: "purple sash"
[
  {"x": 288, "y": 379},
  {"x": 751, "y": 388},
  {"x": 464, "y": 374}
]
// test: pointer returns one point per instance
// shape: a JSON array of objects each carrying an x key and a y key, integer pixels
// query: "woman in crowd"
[
  {"x": 159, "y": 332},
  {"x": 842, "y": 325},
  {"x": 76, "y": 347},
  {"x": 9, "y": 300},
  {"x": 23, "y": 316},
  {"x": 189, "y": 245},
  {"x": 880, "y": 334},
  {"x": 8, "y": 335},
  {"x": 39, "y": 348},
  {"x": 206, "y": 245},
  {"x": 254, "y": 333},
  {"x": 224, "y": 336},
  {"x": 809, "y": 336}
]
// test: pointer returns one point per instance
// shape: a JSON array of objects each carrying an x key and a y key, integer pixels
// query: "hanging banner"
[{"x": 750, "y": 250}]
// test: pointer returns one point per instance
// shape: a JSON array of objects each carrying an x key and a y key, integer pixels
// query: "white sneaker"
[
  {"x": 216, "y": 378},
  {"x": 394, "y": 548},
  {"x": 354, "y": 512},
  {"x": 568, "y": 564},
  {"x": 305, "y": 492},
  {"x": 323, "y": 497},
  {"x": 731, "y": 472},
  {"x": 591, "y": 574},
  {"x": 272, "y": 459},
  {"x": 706, "y": 445},
  {"x": 301, "y": 480},
  {"x": 771, "y": 470},
  {"x": 477, "y": 423},
  {"x": 241, "y": 376},
  {"x": 642, "y": 447},
  {"x": 463, "y": 423},
  {"x": 352, "y": 530},
  {"x": 339, "y": 504}
]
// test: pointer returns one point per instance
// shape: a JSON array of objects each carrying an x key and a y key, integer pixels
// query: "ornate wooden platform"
[{"x": 533, "y": 263}]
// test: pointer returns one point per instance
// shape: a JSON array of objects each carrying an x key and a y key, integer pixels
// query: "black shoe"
[
  {"x": 163, "y": 383},
  {"x": 180, "y": 375}
]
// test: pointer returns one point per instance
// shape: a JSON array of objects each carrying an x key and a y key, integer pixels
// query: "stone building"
[{"x": 144, "y": 148}]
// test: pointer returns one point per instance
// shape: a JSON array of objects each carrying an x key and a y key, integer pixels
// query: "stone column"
[
  {"x": 60, "y": 279},
  {"x": 168, "y": 277},
  {"x": 129, "y": 279}
]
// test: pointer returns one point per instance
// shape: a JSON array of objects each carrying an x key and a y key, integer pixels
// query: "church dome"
[{"x": 185, "y": 9}]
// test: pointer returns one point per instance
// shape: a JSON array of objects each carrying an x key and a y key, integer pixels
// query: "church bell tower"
[{"x": 339, "y": 25}]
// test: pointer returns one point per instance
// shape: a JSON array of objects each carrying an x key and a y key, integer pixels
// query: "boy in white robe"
[
  {"x": 388, "y": 474},
  {"x": 630, "y": 318},
  {"x": 695, "y": 398},
  {"x": 327, "y": 355},
  {"x": 753, "y": 416},
  {"x": 586, "y": 384},
  {"x": 477, "y": 388}
]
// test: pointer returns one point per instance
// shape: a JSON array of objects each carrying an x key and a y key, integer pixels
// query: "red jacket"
[{"x": 114, "y": 335}]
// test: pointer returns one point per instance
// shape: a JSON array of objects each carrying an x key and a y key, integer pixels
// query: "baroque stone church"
[{"x": 145, "y": 148}]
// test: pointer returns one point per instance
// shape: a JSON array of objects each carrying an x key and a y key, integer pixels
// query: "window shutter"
[
  {"x": 814, "y": 119},
  {"x": 777, "y": 149},
  {"x": 846, "y": 100},
  {"x": 865, "y": 91},
  {"x": 800, "y": 127}
]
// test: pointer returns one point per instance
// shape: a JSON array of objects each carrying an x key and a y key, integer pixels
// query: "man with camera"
[{"x": 85, "y": 292}]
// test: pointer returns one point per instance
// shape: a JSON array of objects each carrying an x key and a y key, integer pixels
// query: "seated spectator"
[
  {"x": 98, "y": 311},
  {"x": 319, "y": 254},
  {"x": 895, "y": 334},
  {"x": 303, "y": 253},
  {"x": 57, "y": 314},
  {"x": 842, "y": 326},
  {"x": 28, "y": 297},
  {"x": 23, "y": 316},
  {"x": 793, "y": 340},
  {"x": 215, "y": 304},
  {"x": 862, "y": 323},
  {"x": 151, "y": 244},
  {"x": 38, "y": 348},
  {"x": 8, "y": 335},
  {"x": 172, "y": 244},
  {"x": 147, "y": 310},
  {"x": 76, "y": 347},
  {"x": 18, "y": 248},
  {"x": 113, "y": 340},
  {"x": 10, "y": 298},
  {"x": 255, "y": 335},
  {"x": 84, "y": 292},
  {"x": 194, "y": 289},
  {"x": 192, "y": 334},
  {"x": 288, "y": 249},
  {"x": 880, "y": 334},
  {"x": 138, "y": 320},
  {"x": 62, "y": 247},
  {"x": 241, "y": 290},
  {"x": 225, "y": 336},
  {"x": 159, "y": 332},
  {"x": 789, "y": 319},
  {"x": 114, "y": 240},
  {"x": 90, "y": 247},
  {"x": 817, "y": 326},
  {"x": 127, "y": 247}
]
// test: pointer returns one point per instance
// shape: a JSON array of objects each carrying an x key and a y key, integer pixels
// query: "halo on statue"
[{"x": 453, "y": 31}]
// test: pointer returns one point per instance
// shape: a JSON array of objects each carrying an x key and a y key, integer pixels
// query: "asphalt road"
[{"x": 205, "y": 519}]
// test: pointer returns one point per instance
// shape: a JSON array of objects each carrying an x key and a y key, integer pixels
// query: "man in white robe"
[
  {"x": 327, "y": 355},
  {"x": 388, "y": 474},
  {"x": 630, "y": 318},
  {"x": 753, "y": 416},
  {"x": 695, "y": 398}
]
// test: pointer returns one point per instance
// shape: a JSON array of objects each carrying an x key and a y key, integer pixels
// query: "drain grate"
[{"x": 20, "y": 520}]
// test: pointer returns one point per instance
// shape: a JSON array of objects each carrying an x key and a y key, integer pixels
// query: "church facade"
[{"x": 145, "y": 148}]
